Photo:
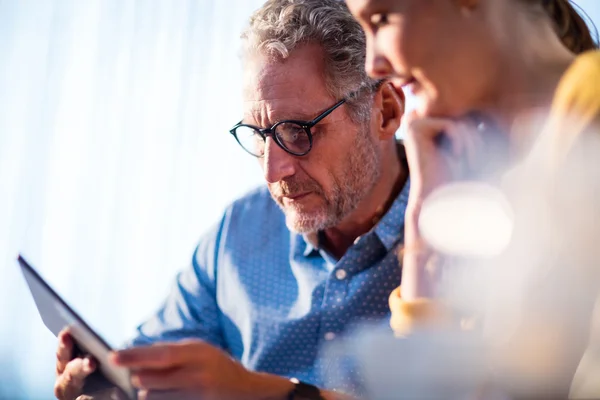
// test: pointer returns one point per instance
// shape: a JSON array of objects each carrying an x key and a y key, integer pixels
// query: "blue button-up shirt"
[{"x": 272, "y": 299}]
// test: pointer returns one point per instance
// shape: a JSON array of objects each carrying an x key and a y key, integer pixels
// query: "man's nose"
[{"x": 276, "y": 163}]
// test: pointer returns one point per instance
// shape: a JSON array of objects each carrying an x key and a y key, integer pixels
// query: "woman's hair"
[{"x": 569, "y": 24}]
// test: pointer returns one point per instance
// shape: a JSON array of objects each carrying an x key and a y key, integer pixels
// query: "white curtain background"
[{"x": 114, "y": 157}]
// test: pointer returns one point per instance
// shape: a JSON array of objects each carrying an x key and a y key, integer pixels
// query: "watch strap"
[{"x": 304, "y": 391}]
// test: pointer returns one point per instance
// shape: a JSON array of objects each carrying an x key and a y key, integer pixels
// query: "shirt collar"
[
  {"x": 390, "y": 230},
  {"x": 312, "y": 242}
]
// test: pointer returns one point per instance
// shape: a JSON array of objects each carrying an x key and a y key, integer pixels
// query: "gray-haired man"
[{"x": 292, "y": 265}]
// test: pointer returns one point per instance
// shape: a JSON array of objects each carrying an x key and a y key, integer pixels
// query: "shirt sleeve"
[{"x": 191, "y": 309}]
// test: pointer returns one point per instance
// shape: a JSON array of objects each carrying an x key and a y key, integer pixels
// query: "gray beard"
[{"x": 361, "y": 172}]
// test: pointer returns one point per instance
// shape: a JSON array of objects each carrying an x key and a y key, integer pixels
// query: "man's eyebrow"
[{"x": 304, "y": 116}]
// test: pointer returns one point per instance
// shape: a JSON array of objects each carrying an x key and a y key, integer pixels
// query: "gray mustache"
[{"x": 294, "y": 186}]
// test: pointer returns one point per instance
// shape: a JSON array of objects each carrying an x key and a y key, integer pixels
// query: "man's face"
[{"x": 318, "y": 190}]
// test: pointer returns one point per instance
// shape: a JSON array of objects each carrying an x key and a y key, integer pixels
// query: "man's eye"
[{"x": 379, "y": 20}]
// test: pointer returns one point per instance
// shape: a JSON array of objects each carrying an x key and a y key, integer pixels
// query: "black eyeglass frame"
[{"x": 306, "y": 125}]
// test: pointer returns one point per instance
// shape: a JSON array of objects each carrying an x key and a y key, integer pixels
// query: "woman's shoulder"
[
  {"x": 586, "y": 66},
  {"x": 588, "y": 62},
  {"x": 579, "y": 88}
]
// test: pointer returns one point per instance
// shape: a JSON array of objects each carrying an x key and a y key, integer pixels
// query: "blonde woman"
[{"x": 498, "y": 62}]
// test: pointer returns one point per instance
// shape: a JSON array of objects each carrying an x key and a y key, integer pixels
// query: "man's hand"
[
  {"x": 195, "y": 369},
  {"x": 70, "y": 372}
]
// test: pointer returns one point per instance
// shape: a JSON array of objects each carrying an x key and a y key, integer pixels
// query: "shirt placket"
[{"x": 335, "y": 298}]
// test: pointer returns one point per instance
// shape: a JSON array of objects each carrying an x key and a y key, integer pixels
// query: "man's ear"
[{"x": 389, "y": 105}]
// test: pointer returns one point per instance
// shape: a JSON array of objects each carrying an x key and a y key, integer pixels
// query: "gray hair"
[{"x": 280, "y": 26}]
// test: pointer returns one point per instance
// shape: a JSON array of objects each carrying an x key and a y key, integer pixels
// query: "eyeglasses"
[{"x": 292, "y": 136}]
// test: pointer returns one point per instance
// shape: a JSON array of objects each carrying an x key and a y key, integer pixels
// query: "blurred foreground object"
[{"x": 483, "y": 231}]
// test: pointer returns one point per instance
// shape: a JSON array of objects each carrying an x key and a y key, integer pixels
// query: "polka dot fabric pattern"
[{"x": 270, "y": 298}]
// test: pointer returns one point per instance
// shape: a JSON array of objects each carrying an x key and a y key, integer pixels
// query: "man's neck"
[{"x": 338, "y": 239}]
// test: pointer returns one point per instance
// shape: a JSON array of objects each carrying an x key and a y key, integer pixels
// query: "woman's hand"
[{"x": 439, "y": 151}]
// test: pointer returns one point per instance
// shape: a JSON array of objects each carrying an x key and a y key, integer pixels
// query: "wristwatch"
[{"x": 304, "y": 391}]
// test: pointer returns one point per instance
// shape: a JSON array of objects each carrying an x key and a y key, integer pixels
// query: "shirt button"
[
  {"x": 329, "y": 336},
  {"x": 341, "y": 274},
  {"x": 357, "y": 240}
]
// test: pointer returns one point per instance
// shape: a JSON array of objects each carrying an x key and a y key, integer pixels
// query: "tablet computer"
[{"x": 58, "y": 315}]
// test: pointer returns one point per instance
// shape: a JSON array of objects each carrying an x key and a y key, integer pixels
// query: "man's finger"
[
  {"x": 166, "y": 395},
  {"x": 157, "y": 356},
  {"x": 170, "y": 379},
  {"x": 147, "y": 357},
  {"x": 70, "y": 382},
  {"x": 64, "y": 353}
]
